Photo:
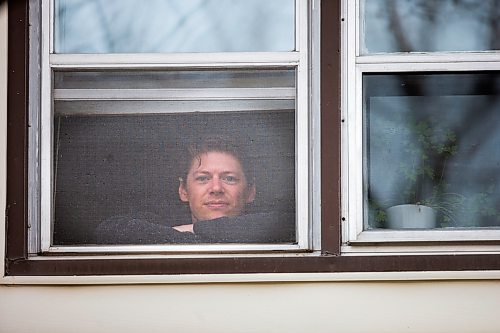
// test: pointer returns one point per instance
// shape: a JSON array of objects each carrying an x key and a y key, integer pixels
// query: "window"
[
  {"x": 97, "y": 130},
  {"x": 422, "y": 112},
  {"x": 125, "y": 96}
]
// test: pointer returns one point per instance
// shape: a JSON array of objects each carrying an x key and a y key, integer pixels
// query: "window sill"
[
  {"x": 252, "y": 278},
  {"x": 427, "y": 248},
  {"x": 106, "y": 267},
  {"x": 445, "y": 235}
]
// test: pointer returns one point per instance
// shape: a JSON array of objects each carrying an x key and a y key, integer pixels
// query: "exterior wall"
[
  {"x": 354, "y": 306},
  {"x": 292, "y": 307}
]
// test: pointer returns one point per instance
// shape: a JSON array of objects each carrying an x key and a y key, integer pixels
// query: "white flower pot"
[{"x": 411, "y": 217}]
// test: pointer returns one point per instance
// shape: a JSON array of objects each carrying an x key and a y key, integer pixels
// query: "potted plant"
[{"x": 422, "y": 194}]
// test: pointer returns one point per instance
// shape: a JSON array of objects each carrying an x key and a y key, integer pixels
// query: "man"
[{"x": 216, "y": 183}]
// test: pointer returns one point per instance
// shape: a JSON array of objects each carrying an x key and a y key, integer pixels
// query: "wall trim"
[{"x": 422, "y": 276}]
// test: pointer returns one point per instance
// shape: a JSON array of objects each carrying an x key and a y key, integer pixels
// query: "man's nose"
[{"x": 216, "y": 185}]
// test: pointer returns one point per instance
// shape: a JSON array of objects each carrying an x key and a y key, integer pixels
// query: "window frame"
[
  {"x": 356, "y": 238},
  {"x": 296, "y": 59},
  {"x": 329, "y": 259}
]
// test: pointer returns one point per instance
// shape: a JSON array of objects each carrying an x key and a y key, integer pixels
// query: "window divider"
[
  {"x": 427, "y": 58},
  {"x": 177, "y": 94},
  {"x": 176, "y": 60}
]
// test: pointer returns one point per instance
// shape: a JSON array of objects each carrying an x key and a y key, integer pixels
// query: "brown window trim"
[{"x": 331, "y": 260}]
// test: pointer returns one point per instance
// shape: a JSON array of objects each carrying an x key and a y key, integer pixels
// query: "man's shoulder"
[
  {"x": 142, "y": 228},
  {"x": 269, "y": 227}
]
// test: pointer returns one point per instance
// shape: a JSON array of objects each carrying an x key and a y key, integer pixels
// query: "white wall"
[
  {"x": 294, "y": 307},
  {"x": 418, "y": 306}
]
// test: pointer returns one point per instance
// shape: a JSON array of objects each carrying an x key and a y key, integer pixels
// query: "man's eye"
[
  {"x": 202, "y": 179},
  {"x": 230, "y": 179}
]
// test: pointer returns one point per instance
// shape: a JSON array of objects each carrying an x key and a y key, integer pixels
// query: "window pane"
[
  {"x": 175, "y": 79},
  {"x": 119, "y": 161},
  {"x": 135, "y": 26},
  {"x": 139, "y": 91},
  {"x": 429, "y": 25},
  {"x": 432, "y": 150}
]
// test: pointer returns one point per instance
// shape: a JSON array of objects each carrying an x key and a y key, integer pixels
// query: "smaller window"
[
  {"x": 421, "y": 137},
  {"x": 440, "y": 132}
]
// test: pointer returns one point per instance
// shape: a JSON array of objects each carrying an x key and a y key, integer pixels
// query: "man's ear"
[
  {"x": 183, "y": 195},
  {"x": 251, "y": 194}
]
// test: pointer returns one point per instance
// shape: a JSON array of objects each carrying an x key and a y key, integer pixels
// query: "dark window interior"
[{"x": 110, "y": 166}]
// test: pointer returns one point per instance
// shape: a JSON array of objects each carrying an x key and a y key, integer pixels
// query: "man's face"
[{"x": 216, "y": 186}]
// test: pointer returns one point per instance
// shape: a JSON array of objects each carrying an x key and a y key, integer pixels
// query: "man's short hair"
[{"x": 221, "y": 144}]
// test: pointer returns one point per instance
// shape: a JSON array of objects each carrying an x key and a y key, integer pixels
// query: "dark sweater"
[{"x": 148, "y": 229}]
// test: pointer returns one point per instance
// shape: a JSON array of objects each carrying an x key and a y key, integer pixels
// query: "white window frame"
[
  {"x": 307, "y": 157},
  {"x": 354, "y": 65}
]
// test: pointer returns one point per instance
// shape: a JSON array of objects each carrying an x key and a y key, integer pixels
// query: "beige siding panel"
[{"x": 292, "y": 307}]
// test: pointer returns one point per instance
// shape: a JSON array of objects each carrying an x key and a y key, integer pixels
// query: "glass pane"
[
  {"x": 432, "y": 150},
  {"x": 135, "y": 26},
  {"x": 429, "y": 25},
  {"x": 181, "y": 79},
  {"x": 119, "y": 163},
  {"x": 139, "y": 91}
]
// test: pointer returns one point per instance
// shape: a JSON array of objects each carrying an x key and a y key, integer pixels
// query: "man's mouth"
[{"x": 216, "y": 205}]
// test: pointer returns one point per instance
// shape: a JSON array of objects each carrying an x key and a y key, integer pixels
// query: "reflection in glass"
[
  {"x": 432, "y": 150},
  {"x": 134, "y": 26},
  {"x": 429, "y": 25}
]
